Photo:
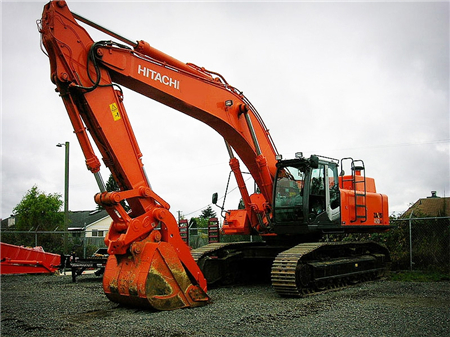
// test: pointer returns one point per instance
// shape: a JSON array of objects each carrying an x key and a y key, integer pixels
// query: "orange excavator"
[{"x": 296, "y": 203}]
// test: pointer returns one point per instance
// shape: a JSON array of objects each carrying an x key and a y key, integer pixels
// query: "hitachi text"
[{"x": 154, "y": 75}]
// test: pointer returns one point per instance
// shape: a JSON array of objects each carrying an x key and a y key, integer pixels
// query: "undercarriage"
[{"x": 294, "y": 271}]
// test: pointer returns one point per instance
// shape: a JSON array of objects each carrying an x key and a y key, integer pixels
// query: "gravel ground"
[{"x": 49, "y": 305}]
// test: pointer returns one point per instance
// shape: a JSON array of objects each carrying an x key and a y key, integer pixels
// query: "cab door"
[{"x": 324, "y": 204}]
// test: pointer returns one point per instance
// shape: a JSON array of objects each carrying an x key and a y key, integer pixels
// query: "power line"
[
  {"x": 438, "y": 141},
  {"x": 200, "y": 209}
]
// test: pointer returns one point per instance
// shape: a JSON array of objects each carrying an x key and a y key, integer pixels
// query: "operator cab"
[{"x": 306, "y": 195}]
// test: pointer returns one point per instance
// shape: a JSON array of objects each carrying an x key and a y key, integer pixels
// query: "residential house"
[
  {"x": 432, "y": 206},
  {"x": 94, "y": 223},
  {"x": 8, "y": 223}
]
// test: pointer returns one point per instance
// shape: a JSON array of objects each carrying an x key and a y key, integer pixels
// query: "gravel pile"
[{"x": 43, "y": 305}]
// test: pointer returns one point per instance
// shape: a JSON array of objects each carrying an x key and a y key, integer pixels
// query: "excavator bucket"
[{"x": 151, "y": 276}]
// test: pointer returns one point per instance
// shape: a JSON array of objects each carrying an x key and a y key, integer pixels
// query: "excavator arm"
[{"x": 149, "y": 264}]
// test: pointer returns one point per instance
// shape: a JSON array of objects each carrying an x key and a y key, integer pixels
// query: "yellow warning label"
[{"x": 115, "y": 111}]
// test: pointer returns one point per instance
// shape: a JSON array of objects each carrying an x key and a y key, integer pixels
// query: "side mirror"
[
  {"x": 215, "y": 196},
  {"x": 314, "y": 161}
]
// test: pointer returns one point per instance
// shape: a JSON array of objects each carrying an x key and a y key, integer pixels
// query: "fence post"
[
  {"x": 410, "y": 243},
  {"x": 84, "y": 244}
]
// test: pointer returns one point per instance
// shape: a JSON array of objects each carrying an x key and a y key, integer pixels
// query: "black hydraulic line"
[{"x": 104, "y": 30}]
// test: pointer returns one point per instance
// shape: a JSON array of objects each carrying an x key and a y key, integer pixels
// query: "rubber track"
[
  {"x": 205, "y": 250},
  {"x": 284, "y": 267},
  {"x": 208, "y": 249}
]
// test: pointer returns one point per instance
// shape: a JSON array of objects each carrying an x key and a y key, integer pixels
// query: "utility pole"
[{"x": 66, "y": 195}]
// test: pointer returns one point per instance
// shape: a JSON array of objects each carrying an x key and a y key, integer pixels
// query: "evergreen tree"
[
  {"x": 112, "y": 186},
  {"x": 208, "y": 213}
]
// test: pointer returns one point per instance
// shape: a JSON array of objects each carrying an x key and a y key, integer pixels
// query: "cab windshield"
[{"x": 289, "y": 194}]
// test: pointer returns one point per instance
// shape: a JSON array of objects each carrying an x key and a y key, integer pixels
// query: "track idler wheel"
[{"x": 151, "y": 275}]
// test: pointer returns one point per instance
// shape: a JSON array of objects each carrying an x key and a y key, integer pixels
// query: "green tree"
[
  {"x": 38, "y": 211},
  {"x": 208, "y": 213},
  {"x": 111, "y": 184},
  {"x": 202, "y": 220}
]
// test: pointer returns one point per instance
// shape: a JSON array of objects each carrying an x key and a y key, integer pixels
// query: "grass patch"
[{"x": 419, "y": 276}]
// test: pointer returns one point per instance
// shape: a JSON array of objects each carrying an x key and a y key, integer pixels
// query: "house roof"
[
  {"x": 77, "y": 219},
  {"x": 433, "y": 206},
  {"x": 81, "y": 219}
]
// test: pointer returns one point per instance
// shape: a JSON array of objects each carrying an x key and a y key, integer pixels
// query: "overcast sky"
[{"x": 340, "y": 79}]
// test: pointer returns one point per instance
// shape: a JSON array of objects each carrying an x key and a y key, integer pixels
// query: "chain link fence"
[
  {"x": 415, "y": 244},
  {"x": 85, "y": 243},
  {"x": 420, "y": 244}
]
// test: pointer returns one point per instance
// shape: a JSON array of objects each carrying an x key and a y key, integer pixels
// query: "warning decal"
[{"x": 115, "y": 111}]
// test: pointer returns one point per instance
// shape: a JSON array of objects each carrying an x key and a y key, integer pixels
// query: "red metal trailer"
[{"x": 24, "y": 260}]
